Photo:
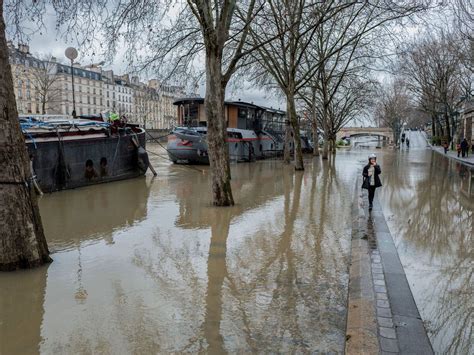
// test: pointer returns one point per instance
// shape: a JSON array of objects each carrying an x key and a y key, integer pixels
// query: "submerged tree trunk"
[
  {"x": 217, "y": 131},
  {"x": 286, "y": 147},
  {"x": 22, "y": 240},
  {"x": 291, "y": 109},
  {"x": 314, "y": 126},
  {"x": 325, "y": 148}
]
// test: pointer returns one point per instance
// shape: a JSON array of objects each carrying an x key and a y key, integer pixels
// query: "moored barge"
[{"x": 68, "y": 152}]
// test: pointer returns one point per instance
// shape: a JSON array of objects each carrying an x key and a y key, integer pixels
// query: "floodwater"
[
  {"x": 428, "y": 201},
  {"x": 149, "y": 266}
]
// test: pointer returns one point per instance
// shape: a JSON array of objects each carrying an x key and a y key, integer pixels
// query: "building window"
[{"x": 95, "y": 103}]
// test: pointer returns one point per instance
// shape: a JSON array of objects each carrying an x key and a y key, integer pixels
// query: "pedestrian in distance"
[
  {"x": 371, "y": 177},
  {"x": 408, "y": 142},
  {"x": 458, "y": 149},
  {"x": 464, "y": 148},
  {"x": 446, "y": 147}
]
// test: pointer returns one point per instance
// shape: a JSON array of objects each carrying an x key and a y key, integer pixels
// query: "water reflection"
[
  {"x": 93, "y": 213},
  {"x": 167, "y": 272},
  {"x": 431, "y": 211}
]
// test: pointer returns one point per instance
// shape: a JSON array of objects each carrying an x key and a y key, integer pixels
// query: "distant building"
[
  {"x": 87, "y": 91},
  {"x": 25, "y": 70},
  {"x": 45, "y": 87},
  {"x": 154, "y": 107}
]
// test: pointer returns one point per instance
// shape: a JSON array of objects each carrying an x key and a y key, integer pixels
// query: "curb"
[{"x": 382, "y": 315}]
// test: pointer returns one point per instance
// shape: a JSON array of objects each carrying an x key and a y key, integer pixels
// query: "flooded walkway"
[{"x": 148, "y": 266}]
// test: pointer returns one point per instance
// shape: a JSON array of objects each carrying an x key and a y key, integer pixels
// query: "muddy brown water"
[{"x": 148, "y": 266}]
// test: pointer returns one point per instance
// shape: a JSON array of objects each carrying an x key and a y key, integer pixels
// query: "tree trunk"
[
  {"x": 333, "y": 144},
  {"x": 314, "y": 126},
  {"x": 22, "y": 240},
  {"x": 217, "y": 131},
  {"x": 43, "y": 107},
  {"x": 448, "y": 126},
  {"x": 286, "y": 147},
  {"x": 433, "y": 125},
  {"x": 326, "y": 148},
  {"x": 291, "y": 110}
]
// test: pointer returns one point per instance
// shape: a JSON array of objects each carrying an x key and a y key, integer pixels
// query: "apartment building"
[
  {"x": 154, "y": 104},
  {"x": 28, "y": 74},
  {"x": 44, "y": 86}
]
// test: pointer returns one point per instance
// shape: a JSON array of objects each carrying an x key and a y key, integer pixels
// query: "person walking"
[
  {"x": 371, "y": 174},
  {"x": 408, "y": 142},
  {"x": 458, "y": 149},
  {"x": 464, "y": 148},
  {"x": 446, "y": 147}
]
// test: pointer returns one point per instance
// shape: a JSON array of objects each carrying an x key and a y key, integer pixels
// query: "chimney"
[{"x": 24, "y": 48}]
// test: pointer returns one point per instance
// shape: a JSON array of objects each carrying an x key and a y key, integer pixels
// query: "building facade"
[{"x": 45, "y": 87}]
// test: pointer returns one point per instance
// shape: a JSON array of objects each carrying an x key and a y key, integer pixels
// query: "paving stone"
[
  {"x": 383, "y": 303},
  {"x": 384, "y": 312},
  {"x": 387, "y": 332},
  {"x": 379, "y": 282},
  {"x": 389, "y": 345},
  {"x": 382, "y": 296},
  {"x": 385, "y": 322},
  {"x": 378, "y": 277},
  {"x": 388, "y": 353},
  {"x": 377, "y": 271},
  {"x": 380, "y": 289}
]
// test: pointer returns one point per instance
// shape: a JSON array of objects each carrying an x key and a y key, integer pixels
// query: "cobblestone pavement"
[{"x": 382, "y": 315}]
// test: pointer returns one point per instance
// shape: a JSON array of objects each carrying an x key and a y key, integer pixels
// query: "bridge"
[{"x": 383, "y": 132}]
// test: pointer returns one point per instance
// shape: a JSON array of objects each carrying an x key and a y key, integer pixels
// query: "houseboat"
[
  {"x": 69, "y": 152},
  {"x": 254, "y": 132}
]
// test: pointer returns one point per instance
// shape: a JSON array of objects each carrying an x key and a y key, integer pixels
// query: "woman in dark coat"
[{"x": 371, "y": 174}]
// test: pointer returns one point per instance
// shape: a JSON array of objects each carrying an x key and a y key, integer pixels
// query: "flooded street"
[
  {"x": 149, "y": 266},
  {"x": 428, "y": 202}
]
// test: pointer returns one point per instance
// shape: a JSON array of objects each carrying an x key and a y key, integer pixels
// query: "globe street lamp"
[{"x": 71, "y": 53}]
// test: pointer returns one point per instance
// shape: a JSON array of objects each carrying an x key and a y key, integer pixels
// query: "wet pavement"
[{"x": 149, "y": 266}]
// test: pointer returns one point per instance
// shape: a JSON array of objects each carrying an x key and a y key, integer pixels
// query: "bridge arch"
[{"x": 386, "y": 133}]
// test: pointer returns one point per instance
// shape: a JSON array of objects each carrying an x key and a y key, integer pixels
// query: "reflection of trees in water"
[
  {"x": 436, "y": 219},
  {"x": 281, "y": 286}
]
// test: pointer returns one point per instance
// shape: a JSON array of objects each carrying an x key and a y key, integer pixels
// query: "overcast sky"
[{"x": 49, "y": 42}]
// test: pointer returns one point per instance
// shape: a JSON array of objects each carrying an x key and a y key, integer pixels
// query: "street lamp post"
[{"x": 71, "y": 53}]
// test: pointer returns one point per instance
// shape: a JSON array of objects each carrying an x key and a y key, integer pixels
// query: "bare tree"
[
  {"x": 282, "y": 61},
  {"x": 393, "y": 106},
  {"x": 45, "y": 82},
  {"x": 22, "y": 242},
  {"x": 433, "y": 70}
]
